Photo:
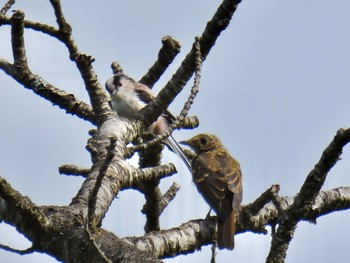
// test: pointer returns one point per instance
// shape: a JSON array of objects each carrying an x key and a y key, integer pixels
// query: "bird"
[
  {"x": 218, "y": 178},
  {"x": 129, "y": 96}
]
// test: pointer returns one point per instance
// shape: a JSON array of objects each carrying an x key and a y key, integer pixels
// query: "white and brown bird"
[
  {"x": 129, "y": 96},
  {"x": 218, "y": 178}
]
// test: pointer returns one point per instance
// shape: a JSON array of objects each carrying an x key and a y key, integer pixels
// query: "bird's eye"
[
  {"x": 119, "y": 84},
  {"x": 203, "y": 141}
]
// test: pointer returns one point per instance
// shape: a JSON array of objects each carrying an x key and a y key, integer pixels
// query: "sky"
[{"x": 275, "y": 89}]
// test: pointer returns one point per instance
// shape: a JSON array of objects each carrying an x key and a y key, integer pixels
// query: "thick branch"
[
  {"x": 119, "y": 174},
  {"x": 317, "y": 176},
  {"x": 191, "y": 236},
  {"x": 20, "y": 212},
  {"x": 180, "y": 240},
  {"x": 288, "y": 221},
  {"x": 219, "y": 23},
  {"x": 151, "y": 157},
  {"x": 166, "y": 55}
]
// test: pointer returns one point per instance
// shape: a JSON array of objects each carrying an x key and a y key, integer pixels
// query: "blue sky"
[{"x": 275, "y": 89}]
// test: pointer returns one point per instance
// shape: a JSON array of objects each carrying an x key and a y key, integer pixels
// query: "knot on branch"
[
  {"x": 84, "y": 60},
  {"x": 171, "y": 48},
  {"x": 116, "y": 68},
  {"x": 18, "y": 16}
]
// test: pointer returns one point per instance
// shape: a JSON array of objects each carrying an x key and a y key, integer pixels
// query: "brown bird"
[{"x": 218, "y": 178}]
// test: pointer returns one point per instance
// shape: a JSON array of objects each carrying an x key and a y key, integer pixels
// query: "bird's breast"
[{"x": 126, "y": 104}]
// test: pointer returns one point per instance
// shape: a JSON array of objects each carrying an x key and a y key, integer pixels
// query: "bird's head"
[
  {"x": 119, "y": 81},
  {"x": 203, "y": 143}
]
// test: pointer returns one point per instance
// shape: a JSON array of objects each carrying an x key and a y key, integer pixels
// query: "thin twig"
[
  {"x": 195, "y": 87},
  {"x": 6, "y": 7},
  {"x": 27, "y": 251}
]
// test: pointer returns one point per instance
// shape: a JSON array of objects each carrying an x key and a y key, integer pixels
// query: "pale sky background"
[{"x": 275, "y": 89}]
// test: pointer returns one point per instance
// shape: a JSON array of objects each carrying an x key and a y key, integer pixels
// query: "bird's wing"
[
  {"x": 218, "y": 177},
  {"x": 233, "y": 175},
  {"x": 209, "y": 181},
  {"x": 146, "y": 95}
]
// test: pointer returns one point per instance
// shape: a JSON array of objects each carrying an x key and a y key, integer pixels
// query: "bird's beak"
[
  {"x": 185, "y": 143},
  {"x": 111, "y": 90}
]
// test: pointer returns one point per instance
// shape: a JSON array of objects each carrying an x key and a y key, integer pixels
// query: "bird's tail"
[
  {"x": 226, "y": 231},
  {"x": 176, "y": 148}
]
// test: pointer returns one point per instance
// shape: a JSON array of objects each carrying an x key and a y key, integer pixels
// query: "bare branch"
[
  {"x": 180, "y": 120},
  {"x": 190, "y": 122},
  {"x": 27, "y": 251},
  {"x": 191, "y": 236},
  {"x": 166, "y": 55},
  {"x": 72, "y": 169},
  {"x": 219, "y": 22},
  {"x": 41, "y": 87},
  {"x": 17, "y": 40},
  {"x": 317, "y": 176},
  {"x": 65, "y": 29},
  {"x": 20, "y": 212},
  {"x": 288, "y": 221},
  {"x": 20, "y": 72},
  {"x": 180, "y": 240},
  {"x": 98, "y": 97},
  {"x": 36, "y": 26},
  {"x": 152, "y": 173},
  {"x": 116, "y": 68},
  {"x": 6, "y": 7},
  {"x": 168, "y": 196},
  {"x": 151, "y": 157},
  {"x": 263, "y": 199},
  {"x": 195, "y": 87}
]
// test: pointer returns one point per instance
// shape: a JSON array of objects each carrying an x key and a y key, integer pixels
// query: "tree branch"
[
  {"x": 194, "y": 234},
  {"x": 168, "y": 196},
  {"x": 72, "y": 169},
  {"x": 166, "y": 55},
  {"x": 6, "y": 7},
  {"x": 288, "y": 221},
  {"x": 20, "y": 212},
  {"x": 20, "y": 72},
  {"x": 219, "y": 23},
  {"x": 181, "y": 119},
  {"x": 119, "y": 174},
  {"x": 17, "y": 40},
  {"x": 97, "y": 95}
]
